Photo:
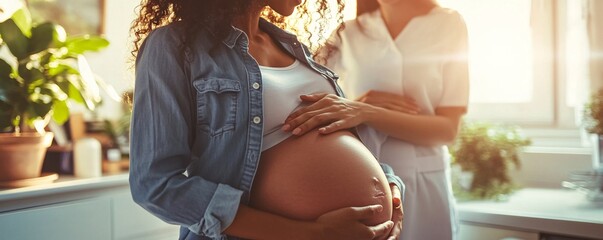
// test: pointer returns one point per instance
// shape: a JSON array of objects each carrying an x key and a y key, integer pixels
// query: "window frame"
[{"x": 547, "y": 120}]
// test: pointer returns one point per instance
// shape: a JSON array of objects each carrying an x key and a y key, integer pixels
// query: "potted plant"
[
  {"x": 485, "y": 152},
  {"x": 43, "y": 71},
  {"x": 593, "y": 122}
]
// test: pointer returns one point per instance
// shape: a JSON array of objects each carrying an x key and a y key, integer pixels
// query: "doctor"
[{"x": 405, "y": 63}]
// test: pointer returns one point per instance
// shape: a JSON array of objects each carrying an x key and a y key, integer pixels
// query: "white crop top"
[{"x": 282, "y": 87}]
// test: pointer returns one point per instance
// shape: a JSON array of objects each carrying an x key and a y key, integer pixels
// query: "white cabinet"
[
  {"x": 486, "y": 232},
  {"x": 86, "y": 219},
  {"x": 132, "y": 222},
  {"x": 530, "y": 212},
  {"x": 79, "y": 209}
]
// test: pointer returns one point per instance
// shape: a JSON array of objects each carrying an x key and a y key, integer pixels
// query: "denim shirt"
[{"x": 196, "y": 131}]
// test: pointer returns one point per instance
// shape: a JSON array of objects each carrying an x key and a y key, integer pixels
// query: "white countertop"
[
  {"x": 65, "y": 185},
  {"x": 556, "y": 211}
]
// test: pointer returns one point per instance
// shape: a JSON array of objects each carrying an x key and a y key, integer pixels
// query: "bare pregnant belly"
[{"x": 304, "y": 177}]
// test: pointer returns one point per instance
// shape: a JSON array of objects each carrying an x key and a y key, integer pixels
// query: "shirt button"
[
  {"x": 256, "y": 120},
  {"x": 255, "y": 85}
]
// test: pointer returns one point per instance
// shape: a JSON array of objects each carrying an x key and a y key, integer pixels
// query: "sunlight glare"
[{"x": 500, "y": 49}]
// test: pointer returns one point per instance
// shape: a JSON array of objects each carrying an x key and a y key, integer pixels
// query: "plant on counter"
[
  {"x": 593, "y": 113},
  {"x": 41, "y": 72},
  {"x": 46, "y": 70},
  {"x": 593, "y": 123},
  {"x": 119, "y": 130},
  {"x": 485, "y": 152}
]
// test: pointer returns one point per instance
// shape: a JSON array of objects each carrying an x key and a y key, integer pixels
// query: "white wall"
[{"x": 112, "y": 64}]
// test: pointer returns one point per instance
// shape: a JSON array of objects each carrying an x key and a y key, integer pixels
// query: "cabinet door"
[
  {"x": 85, "y": 219},
  {"x": 132, "y": 222},
  {"x": 482, "y": 232}
]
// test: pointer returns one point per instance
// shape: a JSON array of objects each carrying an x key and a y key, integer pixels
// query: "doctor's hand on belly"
[{"x": 390, "y": 101}]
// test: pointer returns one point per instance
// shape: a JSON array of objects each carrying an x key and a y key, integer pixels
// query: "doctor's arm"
[
  {"x": 330, "y": 113},
  {"x": 440, "y": 128}
]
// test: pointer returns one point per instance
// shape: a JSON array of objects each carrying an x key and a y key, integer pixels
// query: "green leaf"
[
  {"x": 7, "y": 115},
  {"x": 42, "y": 37},
  {"x": 14, "y": 38},
  {"x": 22, "y": 19},
  {"x": 85, "y": 43},
  {"x": 5, "y": 70},
  {"x": 31, "y": 115},
  {"x": 40, "y": 109},
  {"x": 30, "y": 75},
  {"x": 75, "y": 94},
  {"x": 62, "y": 68},
  {"x": 9, "y": 89},
  {"x": 60, "y": 112},
  {"x": 64, "y": 85}
]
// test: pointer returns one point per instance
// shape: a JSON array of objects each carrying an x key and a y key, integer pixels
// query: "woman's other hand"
[
  {"x": 346, "y": 223},
  {"x": 327, "y": 111},
  {"x": 390, "y": 101},
  {"x": 397, "y": 213}
]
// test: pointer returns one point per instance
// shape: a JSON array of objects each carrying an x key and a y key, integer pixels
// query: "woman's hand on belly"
[
  {"x": 397, "y": 213},
  {"x": 327, "y": 111},
  {"x": 346, "y": 223}
]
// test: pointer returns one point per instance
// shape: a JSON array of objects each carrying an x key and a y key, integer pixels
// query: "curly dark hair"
[{"x": 310, "y": 23}]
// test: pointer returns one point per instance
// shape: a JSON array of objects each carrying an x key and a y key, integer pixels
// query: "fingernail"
[
  {"x": 286, "y": 127},
  {"x": 396, "y": 201},
  {"x": 296, "y": 131},
  {"x": 322, "y": 130}
]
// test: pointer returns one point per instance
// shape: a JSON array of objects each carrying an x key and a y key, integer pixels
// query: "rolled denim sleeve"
[
  {"x": 222, "y": 212},
  {"x": 161, "y": 131},
  {"x": 392, "y": 178}
]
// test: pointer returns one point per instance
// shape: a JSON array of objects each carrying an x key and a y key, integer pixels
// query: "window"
[{"x": 528, "y": 63}]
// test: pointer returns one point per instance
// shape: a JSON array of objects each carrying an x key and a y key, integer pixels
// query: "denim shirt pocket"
[{"x": 217, "y": 104}]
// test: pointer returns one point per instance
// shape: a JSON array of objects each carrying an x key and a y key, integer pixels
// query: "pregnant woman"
[{"x": 215, "y": 81}]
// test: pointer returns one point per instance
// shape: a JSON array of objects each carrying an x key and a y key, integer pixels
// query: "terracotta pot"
[{"x": 22, "y": 155}]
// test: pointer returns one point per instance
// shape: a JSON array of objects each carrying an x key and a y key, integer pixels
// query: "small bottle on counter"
[
  {"x": 113, "y": 163},
  {"x": 87, "y": 158}
]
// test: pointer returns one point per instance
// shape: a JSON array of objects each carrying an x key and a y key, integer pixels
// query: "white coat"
[{"x": 421, "y": 62}]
